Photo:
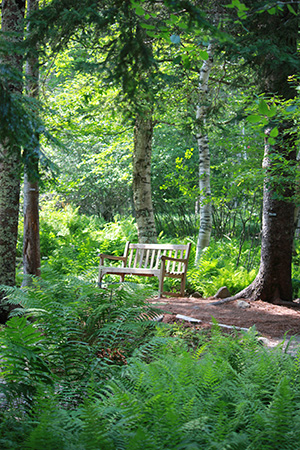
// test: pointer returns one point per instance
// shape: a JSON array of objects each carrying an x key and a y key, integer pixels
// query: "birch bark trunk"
[
  {"x": 10, "y": 156},
  {"x": 204, "y": 158},
  {"x": 142, "y": 195}
]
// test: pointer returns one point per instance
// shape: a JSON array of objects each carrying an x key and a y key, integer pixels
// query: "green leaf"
[
  {"x": 253, "y": 118},
  {"x": 263, "y": 107},
  {"x": 237, "y": 4},
  {"x": 271, "y": 141},
  {"x": 186, "y": 61},
  {"x": 151, "y": 33},
  {"x": 291, "y": 108},
  {"x": 146, "y": 26},
  {"x": 203, "y": 55},
  {"x": 291, "y": 9},
  {"x": 264, "y": 121},
  {"x": 274, "y": 133},
  {"x": 241, "y": 14},
  {"x": 183, "y": 25},
  {"x": 139, "y": 11},
  {"x": 272, "y": 11},
  {"x": 272, "y": 111},
  {"x": 177, "y": 59},
  {"x": 175, "y": 39}
]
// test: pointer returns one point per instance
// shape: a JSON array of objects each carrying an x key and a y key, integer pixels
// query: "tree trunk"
[
  {"x": 273, "y": 282},
  {"x": 10, "y": 156},
  {"x": 204, "y": 159},
  {"x": 142, "y": 195},
  {"x": 31, "y": 237}
]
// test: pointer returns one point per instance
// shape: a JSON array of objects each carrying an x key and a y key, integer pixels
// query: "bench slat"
[
  {"x": 142, "y": 251},
  {"x": 174, "y": 263},
  {"x": 152, "y": 258},
  {"x": 147, "y": 257},
  {"x": 158, "y": 258},
  {"x": 130, "y": 257}
]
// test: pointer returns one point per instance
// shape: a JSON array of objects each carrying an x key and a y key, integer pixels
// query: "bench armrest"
[
  {"x": 112, "y": 257},
  {"x": 182, "y": 260}
]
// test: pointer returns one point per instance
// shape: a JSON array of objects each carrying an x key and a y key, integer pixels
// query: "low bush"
[{"x": 218, "y": 267}]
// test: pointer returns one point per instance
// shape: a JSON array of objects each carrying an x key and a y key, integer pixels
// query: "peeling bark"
[
  {"x": 10, "y": 157},
  {"x": 204, "y": 158}
]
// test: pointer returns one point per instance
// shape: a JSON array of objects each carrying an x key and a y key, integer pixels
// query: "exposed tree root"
[
  {"x": 252, "y": 293},
  {"x": 246, "y": 293}
]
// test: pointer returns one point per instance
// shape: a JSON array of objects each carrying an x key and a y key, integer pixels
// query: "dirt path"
[{"x": 271, "y": 321}]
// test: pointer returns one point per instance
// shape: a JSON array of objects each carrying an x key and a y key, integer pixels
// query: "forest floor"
[{"x": 271, "y": 321}]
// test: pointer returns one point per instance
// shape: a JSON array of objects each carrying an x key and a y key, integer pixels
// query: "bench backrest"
[{"x": 148, "y": 256}]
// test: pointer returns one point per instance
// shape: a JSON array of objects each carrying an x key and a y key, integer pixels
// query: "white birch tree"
[{"x": 204, "y": 157}]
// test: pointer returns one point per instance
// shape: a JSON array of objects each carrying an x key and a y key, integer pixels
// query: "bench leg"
[
  {"x": 182, "y": 285},
  {"x": 100, "y": 280},
  {"x": 160, "y": 286}
]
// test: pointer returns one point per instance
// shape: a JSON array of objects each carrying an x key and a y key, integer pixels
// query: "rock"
[
  {"x": 243, "y": 305},
  {"x": 223, "y": 292},
  {"x": 196, "y": 295}
]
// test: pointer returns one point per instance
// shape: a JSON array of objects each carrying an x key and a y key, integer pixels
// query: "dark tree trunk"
[
  {"x": 273, "y": 282},
  {"x": 276, "y": 61},
  {"x": 31, "y": 237},
  {"x": 142, "y": 195},
  {"x": 10, "y": 155}
]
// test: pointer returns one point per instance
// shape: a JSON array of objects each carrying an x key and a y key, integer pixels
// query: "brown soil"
[{"x": 272, "y": 321}]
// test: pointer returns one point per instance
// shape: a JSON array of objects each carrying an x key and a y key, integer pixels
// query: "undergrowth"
[{"x": 84, "y": 368}]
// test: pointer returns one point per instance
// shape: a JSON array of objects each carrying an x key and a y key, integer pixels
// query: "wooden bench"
[{"x": 150, "y": 260}]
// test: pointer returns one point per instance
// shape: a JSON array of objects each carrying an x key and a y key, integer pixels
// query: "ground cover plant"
[
  {"x": 84, "y": 368},
  {"x": 165, "y": 387}
]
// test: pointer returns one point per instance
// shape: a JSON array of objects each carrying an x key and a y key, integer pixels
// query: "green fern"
[
  {"x": 23, "y": 351},
  {"x": 89, "y": 332}
]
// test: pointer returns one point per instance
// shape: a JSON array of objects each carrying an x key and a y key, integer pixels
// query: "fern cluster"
[
  {"x": 87, "y": 369},
  {"x": 65, "y": 332},
  {"x": 230, "y": 394}
]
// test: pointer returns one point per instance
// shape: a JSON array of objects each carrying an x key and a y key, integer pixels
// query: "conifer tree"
[{"x": 272, "y": 31}]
